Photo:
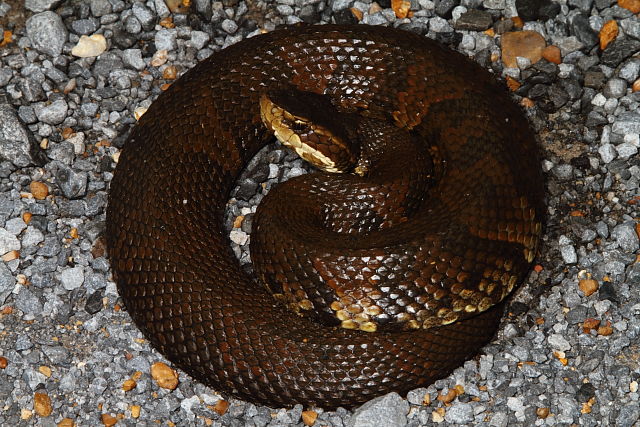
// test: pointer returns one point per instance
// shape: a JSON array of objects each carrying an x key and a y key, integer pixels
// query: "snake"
[{"x": 434, "y": 269}]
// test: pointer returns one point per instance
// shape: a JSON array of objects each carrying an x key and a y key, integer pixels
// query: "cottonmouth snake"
[{"x": 475, "y": 240}]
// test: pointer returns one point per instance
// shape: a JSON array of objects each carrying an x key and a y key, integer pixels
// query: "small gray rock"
[
  {"x": 615, "y": 88},
  {"x": 607, "y": 153},
  {"x": 627, "y": 123},
  {"x": 7, "y": 282},
  {"x": 100, "y": 8},
  {"x": 15, "y": 145},
  {"x": 144, "y": 15},
  {"x": 389, "y": 410},
  {"x": 8, "y": 242},
  {"x": 27, "y": 302},
  {"x": 558, "y": 342},
  {"x": 47, "y": 32},
  {"x": 229, "y": 26},
  {"x": 41, "y": 5},
  {"x": 72, "y": 278},
  {"x": 166, "y": 40},
  {"x": 626, "y": 237},
  {"x": 459, "y": 413},
  {"x": 53, "y": 114}
]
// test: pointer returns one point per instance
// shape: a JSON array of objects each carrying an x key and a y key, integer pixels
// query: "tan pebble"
[
  {"x": 11, "y": 255},
  {"x": 237, "y": 223},
  {"x": 67, "y": 132},
  {"x": 90, "y": 46},
  {"x": 459, "y": 388},
  {"x": 221, "y": 407},
  {"x": 542, "y": 412},
  {"x": 178, "y": 6},
  {"x": 45, "y": 370},
  {"x": 513, "y": 84},
  {"x": 635, "y": 87},
  {"x": 129, "y": 385},
  {"x": 590, "y": 324},
  {"x": 606, "y": 329},
  {"x": 159, "y": 58},
  {"x": 633, "y": 386},
  {"x": 449, "y": 396},
  {"x": 167, "y": 22},
  {"x": 309, "y": 417},
  {"x": 3, "y": 362},
  {"x": 437, "y": 416},
  {"x": 39, "y": 190},
  {"x": 26, "y": 217},
  {"x": 527, "y": 103},
  {"x": 170, "y": 73},
  {"x": 631, "y": 5},
  {"x": 588, "y": 286},
  {"x": 70, "y": 86},
  {"x": 552, "y": 54},
  {"x": 357, "y": 13},
  {"x": 42, "y": 404},
  {"x": 401, "y": 8},
  {"x": 66, "y": 422},
  {"x": 135, "y": 411},
  {"x": 108, "y": 420},
  {"x": 25, "y": 414},
  {"x": 138, "y": 112},
  {"x": 608, "y": 33},
  {"x": 164, "y": 376},
  {"x": 526, "y": 44},
  {"x": 374, "y": 8}
]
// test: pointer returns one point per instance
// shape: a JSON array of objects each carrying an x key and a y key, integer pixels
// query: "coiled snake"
[{"x": 443, "y": 258}]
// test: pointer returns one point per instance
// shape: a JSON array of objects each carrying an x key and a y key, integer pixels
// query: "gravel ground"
[{"x": 568, "y": 352}]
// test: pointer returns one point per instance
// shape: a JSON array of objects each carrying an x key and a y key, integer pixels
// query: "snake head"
[{"x": 311, "y": 126}]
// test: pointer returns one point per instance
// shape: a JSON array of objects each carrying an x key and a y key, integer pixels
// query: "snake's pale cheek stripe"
[{"x": 186, "y": 291}]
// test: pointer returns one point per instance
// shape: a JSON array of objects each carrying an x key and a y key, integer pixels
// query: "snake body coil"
[{"x": 474, "y": 239}]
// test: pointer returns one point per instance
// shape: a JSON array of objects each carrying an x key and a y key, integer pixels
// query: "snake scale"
[{"x": 474, "y": 238}]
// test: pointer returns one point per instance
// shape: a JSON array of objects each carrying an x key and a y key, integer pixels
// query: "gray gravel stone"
[
  {"x": 388, "y": 410},
  {"x": 53, "y": 113},
  {"x": 8, "y": 242},
  {"x": 7, "y": 282},
  {"x": 627, "y": 123},
  {"x": 558, "y": 342},
  {"x": 607, "y": 153},
  {"x": 166, "y": 40},
  {"x": 100, "y": 7},
  {"x": 145, "y": 15},
  {"x": 459, "y": 413},
  {"x": 72, "y": 184},
  {"x": 615, "y": 88},
  {"x": 47, "y": 32},
  {"x": 626, "y": 237},
  {"x": 15, "y": 145},
  {"x": 72, "y": 278},
  {"x": 28, "y": 302},
  {"x": 41, "y": 5}
]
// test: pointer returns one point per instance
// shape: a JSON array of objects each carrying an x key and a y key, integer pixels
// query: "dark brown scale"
[{"x": 184, "y": 288}]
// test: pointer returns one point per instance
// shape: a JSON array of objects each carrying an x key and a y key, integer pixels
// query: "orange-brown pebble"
[
  {"x": 517, "y": 22},
  {"x": 26, "y": 217},
  {"x": 170, "y": 73},
  {"x": 66, "y": 422},
  {"x": 526, "y": 44},
  {"x": 631, "y": 5},
  {"x": 129, "y": 385},
  {"x": 608, "y": 33},
  {"x": 39, "y": 190},
  {"x": 3, "y": 362},
  {"x": 7, "y": 37},
  {"x": 542, "y": 412},
  {"x": 167, "y": 22},
  {"x": 527, "y": 103},
  {"x": 513, "y": 84},
  {"x": 178, "y": 6},
  {"x": 73, "y": 233},
  {"x": 590, "y": 324},
  {"x": 357, "y": 13},
  {"x": 67, "y": 132},
  {"x": 606, "y": 329},
  {"x": 164, "y": 376},
  {"x": 552, "y": 54},
  {"x": 401, "y": 8},
  {"x": 237, "y": 223},
  {"x": 309, "y": 417},
  {"x": 135, "y": 411},
  {"x": 635, "y": 87},
  {"x": 221, "y": 407},
  {"x": 42, "y": 404},
  {"x": 108, "y": 420},
  {"x": 588, "y": 286},
  {"x": 448, "y": 396},
  {"x": 11, "y": 255}
]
